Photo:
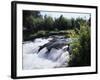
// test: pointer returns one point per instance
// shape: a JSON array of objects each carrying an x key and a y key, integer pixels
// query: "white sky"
[{"x": 67, "y": 15}]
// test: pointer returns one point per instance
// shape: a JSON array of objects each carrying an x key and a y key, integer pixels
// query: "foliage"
[
  {"x": 81, "y": 48},
  {"x": 33, "y": 20}
]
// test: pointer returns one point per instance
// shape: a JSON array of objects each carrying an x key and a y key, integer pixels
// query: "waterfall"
[
  {"x": 33, "y": 58},
  {"x": 54, "y": 54},
  {"x": 42, "y": 53}
]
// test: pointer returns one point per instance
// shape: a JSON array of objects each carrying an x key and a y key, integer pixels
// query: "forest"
[{"x": 36, "y": 26}]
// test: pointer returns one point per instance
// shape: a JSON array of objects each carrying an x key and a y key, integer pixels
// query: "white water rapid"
[{"x": 36, "y": 58}]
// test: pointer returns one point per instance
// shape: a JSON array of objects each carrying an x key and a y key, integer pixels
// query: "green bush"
[{"x": 81, "y": 49}]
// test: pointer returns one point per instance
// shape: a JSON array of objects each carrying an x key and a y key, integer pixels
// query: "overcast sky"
[{"x": 67, "y": 15}]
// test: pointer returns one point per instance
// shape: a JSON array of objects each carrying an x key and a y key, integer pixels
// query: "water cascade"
[{"x": 43, "y": 53}]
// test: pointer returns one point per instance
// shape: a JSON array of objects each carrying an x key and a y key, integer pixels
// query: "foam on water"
[{"x": 34, "y": 59}]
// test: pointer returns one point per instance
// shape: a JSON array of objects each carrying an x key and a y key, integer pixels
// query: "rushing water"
[{"x": 45, "y": 53}]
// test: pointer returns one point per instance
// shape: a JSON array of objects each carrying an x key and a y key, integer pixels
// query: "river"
[{"x": 41, "y": 53}]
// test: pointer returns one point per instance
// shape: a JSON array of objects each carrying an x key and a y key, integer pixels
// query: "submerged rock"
[{"x": 57, "y": 44}]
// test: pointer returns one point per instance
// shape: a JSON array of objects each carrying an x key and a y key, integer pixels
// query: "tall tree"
[{"x": 28, "y": 16}]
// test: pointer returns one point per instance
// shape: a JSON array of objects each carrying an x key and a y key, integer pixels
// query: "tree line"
[{"x": 34, "y": 21}]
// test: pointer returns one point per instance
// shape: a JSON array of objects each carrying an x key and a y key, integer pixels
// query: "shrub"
[{"x": 81, "y": 49}]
